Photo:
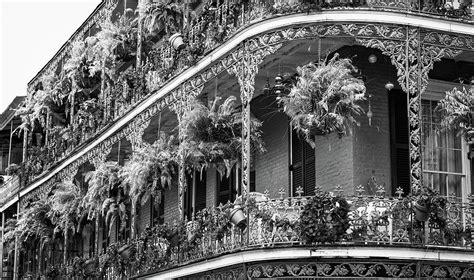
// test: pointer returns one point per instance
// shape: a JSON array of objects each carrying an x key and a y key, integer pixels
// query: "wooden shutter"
[
  {"x": 157, "y": 211},
  {"x": 225, "y": 188},
  {"x": 303, "y": 165},
  {"x": 200, "y": 179},
  {"x": 400, "y": 155},
  {"x": 188, "y": 197}
]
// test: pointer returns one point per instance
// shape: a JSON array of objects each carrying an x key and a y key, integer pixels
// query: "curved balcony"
[
  {"x": 165, "y": 64},
  {"x": 376, "y": 227}
]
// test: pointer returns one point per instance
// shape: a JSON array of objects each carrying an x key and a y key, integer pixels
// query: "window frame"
[{"x": 435, "y": 91}]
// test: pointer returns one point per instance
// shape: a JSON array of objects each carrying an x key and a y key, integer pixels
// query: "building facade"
[{"x": 159, "y": 124}]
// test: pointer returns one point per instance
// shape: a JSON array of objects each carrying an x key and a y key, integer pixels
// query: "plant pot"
[
  {"x": 237, "y": 217},
  {"x": 173, "y": 239},
  {"x": 421, "y": 212},
  {"x": 124, "y": 251},
  {"x": 176, "y": 41},
  {"x": 314, "y": 130},
  {"x": 89, "y": 266}
]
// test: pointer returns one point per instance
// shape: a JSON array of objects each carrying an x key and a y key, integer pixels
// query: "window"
[
  {"x": 157, "y": 210},
  {"x": 399, "y": 149},
  {"x": 443, "y": 154},
  {"x": 302, "y": 166},
  {"x": 195, "y": 194},
  {"x": 227, "y": 187}
]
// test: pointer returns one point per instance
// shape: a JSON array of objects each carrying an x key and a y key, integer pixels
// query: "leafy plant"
[
  {"x": 13, "y": 170},
  {"x": 213, "y": 136},
  {"x": 117, "y": 39},
  {"x": 324, "y": 98},
  {"x": 429, "y": 200},
  {"x": 101, "y": 181},
  {"x": 33, "y": 223},
  {"x": 66, "y": 211},
  {"x": 167, "y": 15},
  {"x": 457, "y": 110},
  {"x": 151, "y": 169},
  {"x": 324, "y": 219}
]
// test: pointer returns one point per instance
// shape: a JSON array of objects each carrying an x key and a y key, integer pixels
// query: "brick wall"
[
  {"x": 372, "y": 143},
  {"x": 211, "y": 185},
  {"x": 334, "y": 157},
  {"x": 144, "y": 216},
  {"x": 171, "y": 205},
  {"x": 272, "y": 167}
]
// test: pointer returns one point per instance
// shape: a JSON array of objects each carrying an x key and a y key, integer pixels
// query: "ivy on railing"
[{"x": 324, "y": 219}]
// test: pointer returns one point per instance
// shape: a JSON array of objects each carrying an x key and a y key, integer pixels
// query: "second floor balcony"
[{"x": 61, "y": 125}]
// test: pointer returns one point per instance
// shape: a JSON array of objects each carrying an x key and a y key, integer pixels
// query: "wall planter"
[{"x": 176, "y": 41}]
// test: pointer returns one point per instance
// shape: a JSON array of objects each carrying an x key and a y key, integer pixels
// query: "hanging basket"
[
  {"x": 124, "y": 251},
  {"x": 421, "y": 212},
  {"x": 237, "y": 217},
  {"x": 176, "y": 41},
  {"x": 89, "y": 266}
]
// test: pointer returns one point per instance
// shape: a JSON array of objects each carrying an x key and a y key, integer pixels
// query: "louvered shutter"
[
  {"x": 309, "y": 169},
  {"x": 225, "y": 187},
  {"x": 297, "y": 167},
  {"x": 400, "y": 155},
  {"x": 303, "y": 165},
  {"x": 200, "y": 196},
  {"x": 188, "y": 197}
]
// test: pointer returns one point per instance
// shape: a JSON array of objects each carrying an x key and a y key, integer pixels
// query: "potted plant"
[
  {"x": 66, "y": 211},
  {"x": 213, "y": 136},
  {"x": 237, "y": 216},
  {"x": 151, "y": 169},
  {"x": 13, "y": 170},
  {"x": 325, "y": 98},
  {"x": 429, "y": 205},
  {"x": 324, "y": 219},
  {"x": 125, "y": 250},
  {"x": 165, "y": 15},
  {"x": 457, "y": 111},
  {"x": 104, "y": 191}
]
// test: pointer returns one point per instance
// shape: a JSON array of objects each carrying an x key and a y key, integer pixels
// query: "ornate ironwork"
[
  {"x": 231, "y": 274},
  {"x": 333, "y": 269},
  {"x": 413, "y": 60},
  {"x": 246, "y": 70},
  {"x": 99, "y": 15},
  {"x": 390, "y": 38}
]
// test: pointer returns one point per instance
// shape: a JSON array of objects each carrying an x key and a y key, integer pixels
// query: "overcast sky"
[{"x": 32, "y": 31}]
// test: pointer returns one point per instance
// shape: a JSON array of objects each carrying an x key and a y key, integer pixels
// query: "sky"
[{"x": 31, "y": 32}]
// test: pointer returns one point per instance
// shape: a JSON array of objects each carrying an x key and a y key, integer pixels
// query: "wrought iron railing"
[
  {"x": 9, "y": 188},
  {"x": 372, "y": 221},
  {"x": 215, "y": 23}
]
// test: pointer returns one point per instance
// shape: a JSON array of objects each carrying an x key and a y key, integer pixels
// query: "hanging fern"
[
  {"x": 67, "y": 212},
  {"x": 151, "y": 169},
  {"x": 325, "y": 98},
  {"x": 213, "y": 136},
  {"x": 457, "y": 110},
  {"x": 166, "y": 15},
  {"x": 100, "y": 181},
  {"x": 33, "y": 223}
]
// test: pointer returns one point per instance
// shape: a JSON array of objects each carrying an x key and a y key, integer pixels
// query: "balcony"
[
  {"x": 163, "y": 63},
  {"x": 9, "y": 188},
  {"x": 326, "y": 221}
]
